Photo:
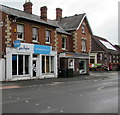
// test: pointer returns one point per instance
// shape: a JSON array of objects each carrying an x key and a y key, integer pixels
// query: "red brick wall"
[
  {"x": 28, "y": 32},
  {"x": 2, "y": 34},
  {"x": 87, "y": 35},
  {"x": 69, "y": 43}
]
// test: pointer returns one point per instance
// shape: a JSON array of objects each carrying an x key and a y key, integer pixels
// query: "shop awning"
[{"x": 74, "y": 55}]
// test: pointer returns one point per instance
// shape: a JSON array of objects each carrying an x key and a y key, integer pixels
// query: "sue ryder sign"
[{"x": 42, "y": 49}]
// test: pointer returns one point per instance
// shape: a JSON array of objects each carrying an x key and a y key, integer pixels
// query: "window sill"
[
  {"x": 21, "y": 40},
  {"x": 35, "y": 42},
  {"x": 47, "y": 43},
  {"x": 64, "y": 49}
]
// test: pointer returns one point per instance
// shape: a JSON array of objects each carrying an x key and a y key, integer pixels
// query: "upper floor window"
[
  {"x": 48, "y": 36},
  {"x": 84, "y": 47},
  {"x": 20, "y": 31},
  {"x": 35, "y": 34},
  {"x": 110, "y": 59},
  {"x": 63, "y": 43},
  {"x": 83, "y": 29}
]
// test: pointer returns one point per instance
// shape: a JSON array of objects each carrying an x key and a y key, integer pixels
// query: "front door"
[
  {"x": 34, "y": 68},
  {"x": 82, "y": 67}
]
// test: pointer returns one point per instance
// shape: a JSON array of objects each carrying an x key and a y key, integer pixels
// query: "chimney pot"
[
  {"x": 44, "y": 13},
  {"x": 58, "y": 13},
  {"x": 28, "y": 7}
]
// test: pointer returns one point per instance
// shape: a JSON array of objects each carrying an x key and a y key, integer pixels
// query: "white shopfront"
[{"x": 29, "y": 61}]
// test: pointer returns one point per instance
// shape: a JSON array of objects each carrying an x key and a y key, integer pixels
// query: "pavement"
[{"x": 22, "y": 83}]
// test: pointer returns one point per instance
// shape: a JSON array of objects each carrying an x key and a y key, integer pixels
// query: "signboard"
[
  {"x": 26, "y": 48},
  {"x": 42, "y": 49},
  {"x": 17, "y": 43}
]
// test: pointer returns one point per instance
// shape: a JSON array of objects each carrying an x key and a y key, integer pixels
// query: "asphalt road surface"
[{"x": 81, "y": 96}]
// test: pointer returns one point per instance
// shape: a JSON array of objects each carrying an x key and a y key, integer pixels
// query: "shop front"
[
  {"x": 29, "y": 61},
  {"x": 75, "y": 61}
]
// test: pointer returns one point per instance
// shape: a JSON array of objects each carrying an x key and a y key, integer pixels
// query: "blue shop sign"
[
  {"x": 42, "y": 49},
  {"x": 17, "y": 43}
]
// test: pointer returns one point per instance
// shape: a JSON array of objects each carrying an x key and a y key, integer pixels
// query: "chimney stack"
[
  {"x": 44, "y": 13},
  {"x": 58, "y": 13},
  {"x": 28, "y": 7}
]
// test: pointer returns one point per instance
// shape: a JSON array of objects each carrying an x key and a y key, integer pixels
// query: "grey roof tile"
[
  {"x": 24, "y": 15},
  {"x": 71, "y": 23}
]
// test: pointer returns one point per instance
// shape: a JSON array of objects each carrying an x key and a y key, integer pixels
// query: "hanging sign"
[{"x": 17, "y": 43}]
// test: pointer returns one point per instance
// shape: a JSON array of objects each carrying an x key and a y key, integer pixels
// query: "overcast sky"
[{"x": 102, "y": 14}]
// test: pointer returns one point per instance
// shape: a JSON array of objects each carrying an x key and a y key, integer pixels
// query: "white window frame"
[
  {"x": 83, "y": 29},
  {"x": 48, "y": 36},
  {"x": 84, "y": 46},
  {"x": 71, "y": 64},
  {"x": 51, "y": 66},
  {"x": 35, "y": 34},
  {"x": 20, "y": 30},
  {"x": 23, "y": 65},
  {"x": 65, "y": 41},
  {"x": 110, "y": 58}
]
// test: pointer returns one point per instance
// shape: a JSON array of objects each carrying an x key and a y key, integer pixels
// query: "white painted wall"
[{"x": 2, "y": 69}]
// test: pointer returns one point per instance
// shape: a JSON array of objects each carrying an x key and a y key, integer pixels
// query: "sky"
[{"x": 101, "y": 14}]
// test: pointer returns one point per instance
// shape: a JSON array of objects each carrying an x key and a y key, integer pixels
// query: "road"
[{"x": 81, "y": 96}]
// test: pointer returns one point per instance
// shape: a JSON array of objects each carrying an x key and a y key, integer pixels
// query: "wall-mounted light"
[{"x": 1, "y": 24}]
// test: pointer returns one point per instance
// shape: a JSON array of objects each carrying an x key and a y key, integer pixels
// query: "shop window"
[
  {"x": 71, "y": 64},
  {"x": 14, "y": 64},
  {"x": 48, "y": 35},
  {"x": 43, "y": 64},
  {"x": 81, "y": 65},
  {"x": 26, "y": 64},
  {"x": 92, "y": 59},
  {"x": 20, "y": 64},
  {"x": 52, "y": 64},
  {"x": 63, "y": 43},
  {"x": 20, "y": 31},
  {"x": 47, "y": 64},
  {"x": 35, "y": 34},
  {"x": 83, "y": 45}
]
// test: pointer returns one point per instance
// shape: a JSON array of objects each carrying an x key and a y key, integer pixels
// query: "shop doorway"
[
  {"x": 82, "y": 67},
  {"x": 34, "y": 68}
]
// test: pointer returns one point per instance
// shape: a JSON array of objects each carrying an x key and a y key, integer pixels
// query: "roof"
[
  {"x": 73, "y": 22},
  {"x": 21, "y": 14},
  {"x": 104, "y": 44},
  {"x": 117, "y": 47},
  {"x": 60, "y": 29}
]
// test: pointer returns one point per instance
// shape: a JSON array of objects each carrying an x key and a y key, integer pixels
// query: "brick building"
[
  {"x": 104, "y": 55},
  {"x": 36, "y": 47},
  {"x": 76, "y": 43}
]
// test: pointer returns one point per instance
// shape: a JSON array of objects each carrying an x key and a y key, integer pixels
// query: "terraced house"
[
  {"x": 104, "y": 55},
  {"x": 34, "y": 46}
]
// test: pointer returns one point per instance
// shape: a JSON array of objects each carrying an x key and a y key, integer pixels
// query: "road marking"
[
  {"x": 100, "y": 88},
  {"x": 9, "y": 87},
  {"x": 26, "y": 101},
  {"x": 61, "y": 111},
  {"x": 37, "y": 104},
  {"x": 108, "y": 83},
  {"x": 80, "y": 95}
]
